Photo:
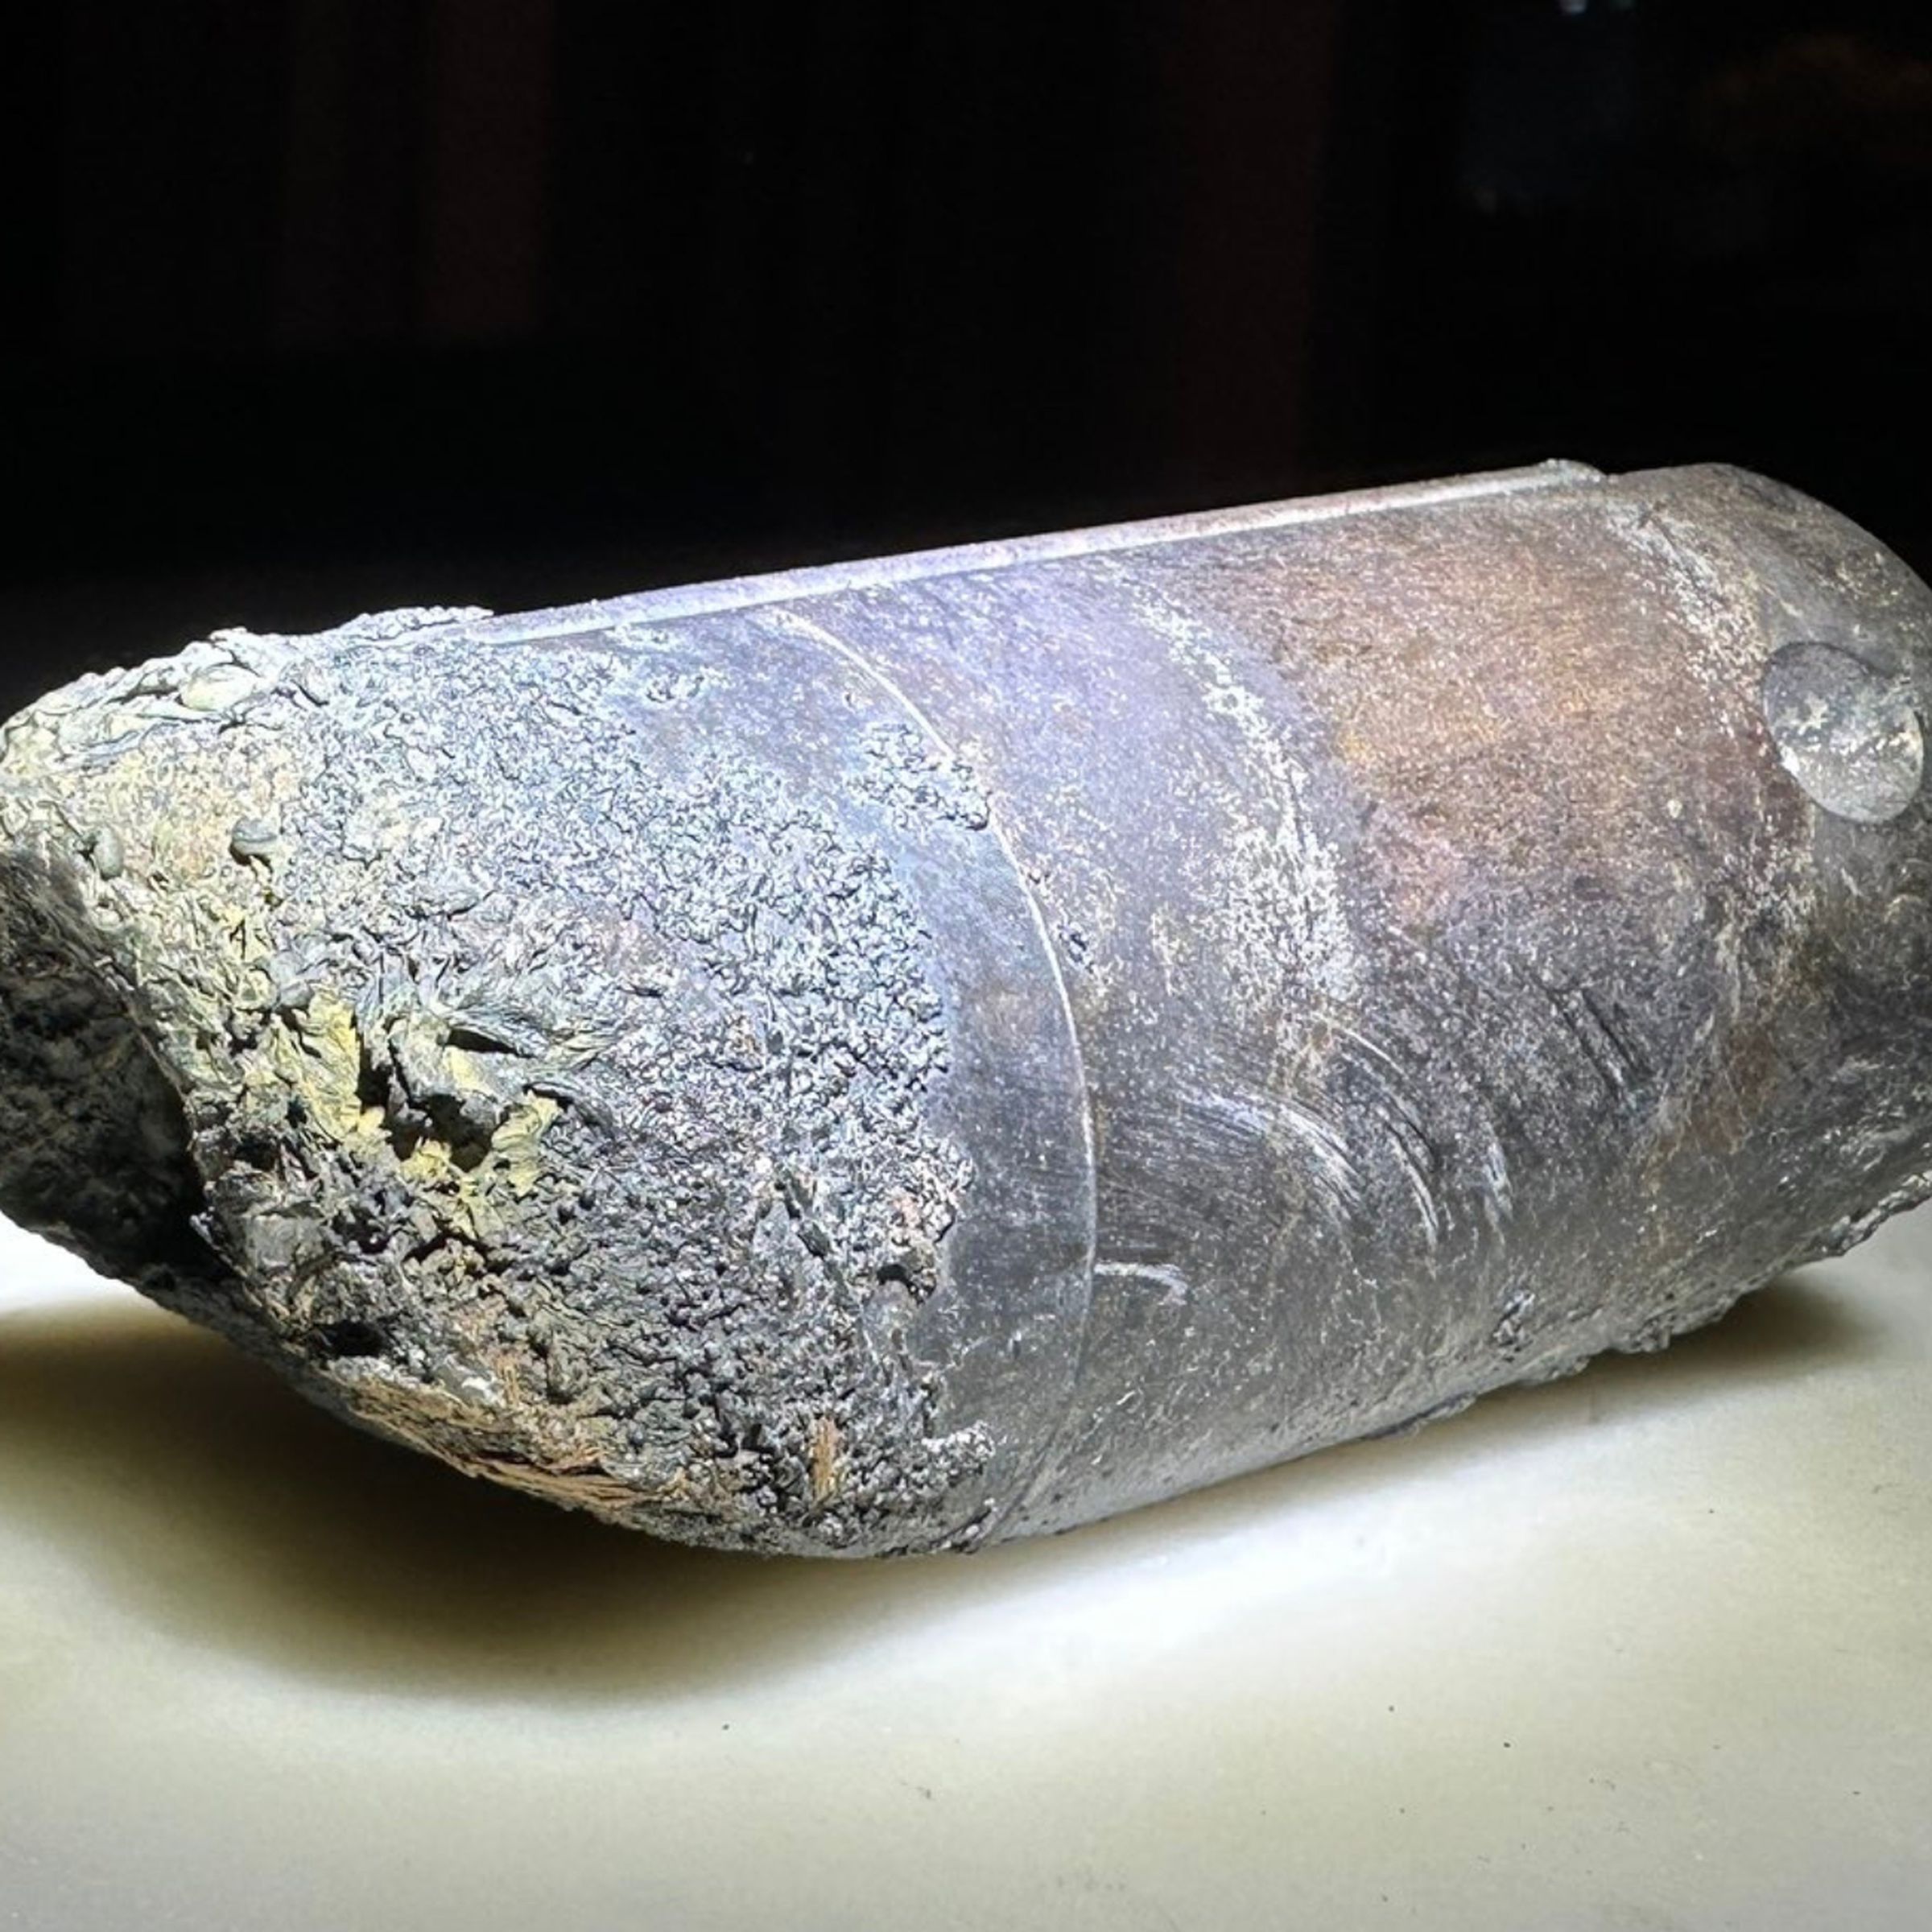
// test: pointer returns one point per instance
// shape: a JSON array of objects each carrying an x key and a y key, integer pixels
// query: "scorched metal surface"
[{"x": 912, "y": 1054}]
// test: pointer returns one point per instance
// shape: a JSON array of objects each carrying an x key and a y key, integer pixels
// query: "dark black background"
[{"x": 325, "y": 304}]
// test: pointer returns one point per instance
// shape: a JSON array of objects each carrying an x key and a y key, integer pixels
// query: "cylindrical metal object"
[{"x": 906, "y": 1055}]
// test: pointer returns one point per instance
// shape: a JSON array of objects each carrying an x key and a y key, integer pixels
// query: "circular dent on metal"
[{"x": 1849, "y": 734}]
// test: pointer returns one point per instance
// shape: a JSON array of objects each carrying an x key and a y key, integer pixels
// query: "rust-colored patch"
[{"x": 827, "y": 1461}]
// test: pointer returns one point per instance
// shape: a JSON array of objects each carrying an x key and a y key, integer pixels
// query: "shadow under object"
[
  {"x": 203, "y": 1500},
  {"x": 917, "y": 1053}
]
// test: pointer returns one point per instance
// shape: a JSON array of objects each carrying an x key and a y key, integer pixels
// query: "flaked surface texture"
[{"x": 535, "y": 1082}]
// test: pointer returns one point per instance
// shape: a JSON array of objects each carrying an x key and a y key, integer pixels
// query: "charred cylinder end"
[
  {"x": 93, "y": 1145},
  {"x": 545, "y": 1061}
]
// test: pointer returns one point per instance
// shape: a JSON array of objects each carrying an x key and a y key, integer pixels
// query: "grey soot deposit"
[{"x": 912, "y": 1054}]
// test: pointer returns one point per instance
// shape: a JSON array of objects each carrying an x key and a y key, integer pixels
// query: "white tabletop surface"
[{"x": 1648, "y": 1649}]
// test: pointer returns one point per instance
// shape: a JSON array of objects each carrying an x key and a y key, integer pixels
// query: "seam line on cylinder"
[
  {"x": 676, "y": 602},
  {"x": 803, "y": 627}
]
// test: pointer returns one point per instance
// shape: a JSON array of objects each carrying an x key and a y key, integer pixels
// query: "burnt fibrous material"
[{"x": 913, "y": 1053}]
